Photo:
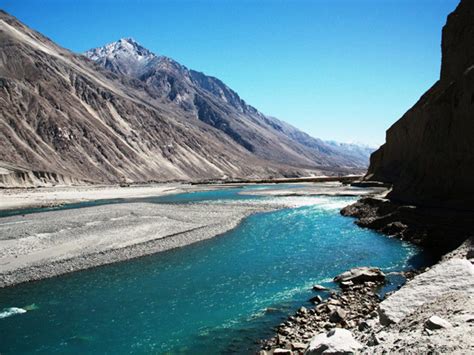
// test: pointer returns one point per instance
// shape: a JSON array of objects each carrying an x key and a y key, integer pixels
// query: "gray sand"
[
  {"x": 47, "y": 244},
  {"x": 42, "y": 245}
]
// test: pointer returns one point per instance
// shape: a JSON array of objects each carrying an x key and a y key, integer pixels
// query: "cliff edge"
[{"x": 428, "y": 156}]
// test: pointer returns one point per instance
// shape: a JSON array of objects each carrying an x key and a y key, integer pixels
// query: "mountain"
[
  {"x": 124, "y": 113},
  {"x": 429, "y": 153},
  {"x": 215, "y": 104}
]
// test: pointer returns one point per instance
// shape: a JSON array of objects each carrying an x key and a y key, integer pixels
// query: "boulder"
[
  {"x": 282, "y": 351},
  {"x": 360, "y": 275},
  {"x": 346, "y": 284},
  {"x": 316, "y": 299},
  {"x": 338, "y": 315},
  {"x": 336, "y": 341},
  {"x": 319, "y": 288},
  {"x": 436, "y": 322},
  {"x": 455, "y": 275}
]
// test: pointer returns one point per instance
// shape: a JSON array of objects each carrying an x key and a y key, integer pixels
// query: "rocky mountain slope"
[
  {"x": 429, "y": 153},
  {"x": 213, "y": 103},
  {"x": 128, "y": 114}
]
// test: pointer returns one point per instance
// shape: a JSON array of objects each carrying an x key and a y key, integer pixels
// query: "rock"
[
  {"x": 428, "y": 152},
  {"x": 373, "y": 314},
  {"x": 346, "y": 284},
  {"x": 336, "y": 341},
  {"x": 364, "y": 326},
  {"x": 271, "y": 310},
  {"x": 377, "y": 338},
  {"x": 436, "y": 322},
  {"x": 327, "y": 326},
  {"x": 455, "y": 275},
  {"x": 316, "y": 299},
  {"x": 338, "y": 315},
  {"x": 394, "y": 228},
  {"x": 360, "y": 275},
  {"x": 298, "y": 346},
  {"x": 334, "y": 302},
  {"x": 303, "y": 310},
  {"x": 320, "y": 288},
  {"x": 282, "y": 351}
]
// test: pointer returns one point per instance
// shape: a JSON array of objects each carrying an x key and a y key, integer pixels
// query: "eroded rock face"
[{"x": 429, "y": 153}]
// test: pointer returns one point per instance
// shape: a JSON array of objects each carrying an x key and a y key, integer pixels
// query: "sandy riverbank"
[
  {"x": 47, "y": 244},
  {"x": 58, "y": 195},
  {"x": 42, "y": 245}
]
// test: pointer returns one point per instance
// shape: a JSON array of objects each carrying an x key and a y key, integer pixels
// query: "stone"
[
  {"x": 454, "y": 275},
  {"x": 346, "y": 284},
  {"x": 316, "y": 299},
  {"x": 336, "y": 341},
  {"x": 436, "y": 322},
  {"x": 338, "y": 315},
  {"x": 364, "y": 326},
  {"x": 377, "y": 338},
  {"x": 303, "y": 310},
  {"x": 360, "y": 275},
  {"x": 298, "y": 346},
  {"x": 320, "y": 288},
  {"x": 271, "y": 310},
  {"x": 280, "y": 351},
  {"x": 327, "y": 326}
]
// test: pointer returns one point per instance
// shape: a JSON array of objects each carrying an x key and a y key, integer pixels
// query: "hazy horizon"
[{"x": 341, "y": 70}]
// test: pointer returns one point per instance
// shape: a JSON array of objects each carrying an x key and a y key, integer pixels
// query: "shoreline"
[
  {"x": 431, "y": 312},
  {"x": 48, "y": 197},
  {"x": 92, "y": 243},
  {"x": 401, "y": 319},
  {"x": 42, "y": 245},
  {"x": 40, "y": 197}
]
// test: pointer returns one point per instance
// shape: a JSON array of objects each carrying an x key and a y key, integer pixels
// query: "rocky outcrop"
[
  {"x": 432, "y": 313},
  {"x": 437, "y": 229},
  {"x": 455, "y": 276},
  {"x": 429, "y": 153}
]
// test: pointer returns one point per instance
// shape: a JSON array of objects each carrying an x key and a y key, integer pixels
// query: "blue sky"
[{"x": 338, "y": 69}]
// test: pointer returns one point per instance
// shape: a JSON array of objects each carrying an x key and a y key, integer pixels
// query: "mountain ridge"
[
  {"x": 158, "y": 66},
  {"x": 66, "y": 114}
]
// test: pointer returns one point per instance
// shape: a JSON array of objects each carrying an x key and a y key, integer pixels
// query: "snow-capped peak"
[{"x": 123, "y": 48}]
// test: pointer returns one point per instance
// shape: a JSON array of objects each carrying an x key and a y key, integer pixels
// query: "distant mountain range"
[{"x": 122, "y": 113}]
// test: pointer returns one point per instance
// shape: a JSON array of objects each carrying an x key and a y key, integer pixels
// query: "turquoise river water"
[{"x": 209, "y": 297}]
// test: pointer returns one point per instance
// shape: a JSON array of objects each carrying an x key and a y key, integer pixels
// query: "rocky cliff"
[{"x": 429, "y": 153}]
